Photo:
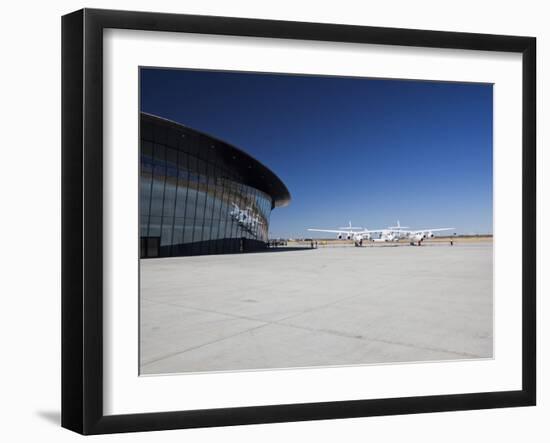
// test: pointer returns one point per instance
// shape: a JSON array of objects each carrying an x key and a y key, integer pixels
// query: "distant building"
[{"x": 199, "y": 195}]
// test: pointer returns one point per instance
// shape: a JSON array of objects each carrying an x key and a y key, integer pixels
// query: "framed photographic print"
[{"x": 269, "y": 221}]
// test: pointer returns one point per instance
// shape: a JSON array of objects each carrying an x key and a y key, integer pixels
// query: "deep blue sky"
[{"x": 367, "y": 150}]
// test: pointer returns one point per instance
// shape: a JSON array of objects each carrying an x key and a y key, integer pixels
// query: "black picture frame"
[{"x": 82, "y": 215}]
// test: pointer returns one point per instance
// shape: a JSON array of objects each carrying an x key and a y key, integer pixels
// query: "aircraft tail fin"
[
  {"x": 350, "y": 227},
  {"x": 398, "y": 227}
]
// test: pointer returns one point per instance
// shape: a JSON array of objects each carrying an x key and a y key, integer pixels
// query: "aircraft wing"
[
  {"x": 331, "y": 231},
  {"x": 346, "y": 232},
  {"x": 432, "y": 230}
]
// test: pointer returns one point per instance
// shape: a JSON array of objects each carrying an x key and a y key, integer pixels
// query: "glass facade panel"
[
  {"x": 154, "y": 226},
  {"x": 194, "y": 195}
]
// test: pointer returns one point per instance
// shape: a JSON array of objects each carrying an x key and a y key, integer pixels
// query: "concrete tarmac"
[{"x": 321, "y": 307}]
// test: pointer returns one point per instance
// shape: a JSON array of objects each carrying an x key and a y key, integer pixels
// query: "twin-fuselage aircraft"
[{"x": 389, "y": 234}]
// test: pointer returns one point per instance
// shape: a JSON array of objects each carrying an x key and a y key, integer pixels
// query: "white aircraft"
[
  {"x": 395, "y": 233},
  {"x": 349, "y": 232},
  {"x": 390, "y": 234},
  {"x": 419, "y": 235}
]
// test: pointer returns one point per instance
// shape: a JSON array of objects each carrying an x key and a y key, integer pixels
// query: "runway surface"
[{"x": 321, "y": 307}]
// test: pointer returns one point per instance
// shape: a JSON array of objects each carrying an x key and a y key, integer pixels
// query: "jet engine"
[
  {"x": 418, "y": 237},
  {"x": 430, "y": 235},
  {"x": 348, "y": 236},
  {"x": 339, "y": 236}
]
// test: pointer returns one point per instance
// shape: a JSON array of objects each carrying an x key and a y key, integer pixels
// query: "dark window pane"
[
  {"x": 177, "y": 235},
  {"x": 199, "y": 213},
  {"x": 144, "y": 194},
  {"x": 143, "y": 225},
  {"x": 169, "y": 197},
  {"x": 166, "y": 231},
  {"x": 171, "y": 157},
  {"x": 181, "y": 196},
  {"x": 157, "y": 195},
  {"x": 154, "y": 226},
  {"x": 191, "y": 202},
  {"x": 188, "y": 230},
  {"x": 146, "y": 148}
]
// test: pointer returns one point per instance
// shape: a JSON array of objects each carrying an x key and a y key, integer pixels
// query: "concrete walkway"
[{"x": 323, "y": 307}]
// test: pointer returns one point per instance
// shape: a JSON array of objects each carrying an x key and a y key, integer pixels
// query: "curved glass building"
[{"x": 200, "y": 195}]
